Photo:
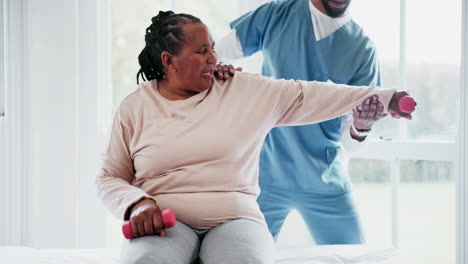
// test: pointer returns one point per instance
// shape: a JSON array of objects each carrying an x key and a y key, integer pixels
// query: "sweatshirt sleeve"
[
  {"x": 115, "y": 177},
  {"x": 302, "y": 102}
]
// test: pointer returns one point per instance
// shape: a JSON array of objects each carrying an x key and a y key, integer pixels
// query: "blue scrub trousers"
[{"x": 330, "y": 218}]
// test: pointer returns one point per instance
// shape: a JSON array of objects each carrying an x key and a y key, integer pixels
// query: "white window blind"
[{"x": 2, "y": 60}]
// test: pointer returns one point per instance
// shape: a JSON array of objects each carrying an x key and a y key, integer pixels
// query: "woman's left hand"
[
  {"x": 225, "y": 72},
  {"x": 146, "y": 219}
]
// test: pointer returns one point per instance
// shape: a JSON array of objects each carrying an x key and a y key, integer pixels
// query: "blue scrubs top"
[{"x": 306, "y": 158}]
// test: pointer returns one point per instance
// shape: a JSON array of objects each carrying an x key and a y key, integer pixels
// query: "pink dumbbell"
[
  {"x": 167, "y": 216},
  {"x": 406, "y": 105}
]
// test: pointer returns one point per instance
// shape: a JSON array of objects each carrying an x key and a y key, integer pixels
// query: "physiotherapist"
[{"x": 304, "y": 167}]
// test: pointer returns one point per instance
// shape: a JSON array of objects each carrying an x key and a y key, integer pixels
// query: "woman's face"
[{"x": 196, "y": 59}]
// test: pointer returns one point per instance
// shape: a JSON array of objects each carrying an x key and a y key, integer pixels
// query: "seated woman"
[{"x": 188, "y": 142}]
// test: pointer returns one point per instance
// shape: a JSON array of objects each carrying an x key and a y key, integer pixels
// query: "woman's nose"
[{"x": 211, "y": 57}]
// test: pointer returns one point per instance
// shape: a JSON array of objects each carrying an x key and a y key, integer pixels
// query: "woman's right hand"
[
  {"x": 145, "y": 218},
  {"x": 395, "y": 107}
]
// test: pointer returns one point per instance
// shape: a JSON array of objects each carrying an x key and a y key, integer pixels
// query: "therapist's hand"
[
  {"x": 368, "y": 113},
  {"x": 225, "y": 72},
  {"x": 145, "y": 218},
  {"x": 365, "y": 115}
]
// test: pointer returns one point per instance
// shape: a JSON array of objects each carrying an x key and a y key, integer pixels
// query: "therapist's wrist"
[{"x": 359, "y": 134}]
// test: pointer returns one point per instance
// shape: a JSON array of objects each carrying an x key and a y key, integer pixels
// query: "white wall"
[
  {"x": 13, "y": 226},
  {"x": 65, "y": 101}
]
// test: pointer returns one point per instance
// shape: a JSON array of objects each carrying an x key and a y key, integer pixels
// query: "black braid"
[{"x": 164, "y": 34}]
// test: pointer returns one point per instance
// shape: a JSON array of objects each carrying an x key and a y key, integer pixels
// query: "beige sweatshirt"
[{"x": 200, "y": 156}]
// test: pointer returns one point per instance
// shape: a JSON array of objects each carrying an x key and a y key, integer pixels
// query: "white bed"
[{"x": 335, "y": 254}]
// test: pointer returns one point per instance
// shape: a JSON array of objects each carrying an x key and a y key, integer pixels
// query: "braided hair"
[{"x": 164, "y": 34}]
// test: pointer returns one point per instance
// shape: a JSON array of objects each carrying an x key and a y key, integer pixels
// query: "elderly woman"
[{"x": 188, "y": 142}]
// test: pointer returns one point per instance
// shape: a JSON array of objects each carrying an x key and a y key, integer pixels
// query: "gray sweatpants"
[{"x": 237, "y": 241}]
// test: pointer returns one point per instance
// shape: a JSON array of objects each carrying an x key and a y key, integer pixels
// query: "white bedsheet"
[
  {"x": 25, "y": 255},
  {"x": 336, "y": 254},
  {"x": 340, "y": 254}
]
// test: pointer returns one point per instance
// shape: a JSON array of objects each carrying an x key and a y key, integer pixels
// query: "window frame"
[
  {"x": 397, "y": 150},
  {"x": 462, "y": 140},
  {"x": 453, "y": 151}
]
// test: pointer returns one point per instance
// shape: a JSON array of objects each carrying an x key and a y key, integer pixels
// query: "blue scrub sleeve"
[{"x": 250, "y": 28}]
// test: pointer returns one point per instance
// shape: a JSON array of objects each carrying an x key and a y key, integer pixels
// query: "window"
[
  {"x": 413, "y": 182},
  {"x": 128, "y": 35},
  {"x": 404, "y": 178},
  {"x": 129, "y": 31},
  {"x": 427, "y": 202}
]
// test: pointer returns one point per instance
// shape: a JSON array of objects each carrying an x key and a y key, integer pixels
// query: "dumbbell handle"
[
  {"x": 406, "y": 105},
  {"x": 167, "y": 216}
]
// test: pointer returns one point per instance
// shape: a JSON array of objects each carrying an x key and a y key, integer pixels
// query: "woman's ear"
[{"x": 167, "y": 60}]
